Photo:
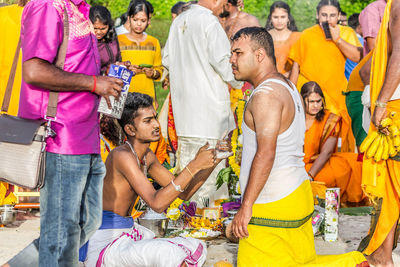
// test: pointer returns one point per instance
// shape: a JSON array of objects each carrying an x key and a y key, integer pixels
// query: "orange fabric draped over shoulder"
[
  {"x": 342, "y": 169},
  {"x": 323, "y": 62},
  {"x": 381, "y": 181},
  {"x": 282, "y": 50}
]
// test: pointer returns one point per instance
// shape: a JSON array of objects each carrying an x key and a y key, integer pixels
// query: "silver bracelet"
[{"x": 177, "y": 187}]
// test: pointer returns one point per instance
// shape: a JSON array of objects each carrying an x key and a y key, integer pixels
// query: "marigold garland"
[{"x": 235, "y": 135}]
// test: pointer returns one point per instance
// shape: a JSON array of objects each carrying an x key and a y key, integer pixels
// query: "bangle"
[
  {"x": 337, "y": 40},
  {"x": 380, "y": 104},
  {"x": 309, "y": 174},
  {"x": 177, "y": 187},
  {"x": 95, "y": 84},
  {"x": 154, "y": 74},
  {"x": 187, "y": 168}
]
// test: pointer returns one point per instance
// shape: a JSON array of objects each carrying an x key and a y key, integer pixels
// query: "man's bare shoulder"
[
  {"x": 248, "y": 19},
  {"x": 395, "y": 9}
]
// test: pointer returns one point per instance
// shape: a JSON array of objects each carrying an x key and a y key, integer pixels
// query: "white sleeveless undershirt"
[{"x": 288, "y": 171}]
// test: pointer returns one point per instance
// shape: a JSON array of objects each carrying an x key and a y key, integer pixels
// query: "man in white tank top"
[{"x": 273, "y": 222}]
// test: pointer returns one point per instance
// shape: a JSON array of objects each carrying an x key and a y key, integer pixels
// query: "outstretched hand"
[
  {"x": 205, "y": 158},
  {"x": 241, "y": 221}
]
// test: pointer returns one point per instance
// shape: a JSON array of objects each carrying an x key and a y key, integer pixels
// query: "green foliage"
[{"x": 303, "y": 10}]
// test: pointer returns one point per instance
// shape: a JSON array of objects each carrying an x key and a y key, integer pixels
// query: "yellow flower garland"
[{"x": 234, "y": 140}]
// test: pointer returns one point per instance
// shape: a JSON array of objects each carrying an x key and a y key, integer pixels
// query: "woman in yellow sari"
[
  {"x": 323, "y": 163},
  {"x": 142, "y": 50},
  {"x": 322, "y": 59}
]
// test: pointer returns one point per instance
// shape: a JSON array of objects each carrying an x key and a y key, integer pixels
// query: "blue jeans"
[{"x": 70, "y": 210}]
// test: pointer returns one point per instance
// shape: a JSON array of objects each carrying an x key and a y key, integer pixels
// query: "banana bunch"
[{"x": 380, "y": 146}]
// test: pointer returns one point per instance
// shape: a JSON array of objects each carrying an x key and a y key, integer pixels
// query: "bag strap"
[
  {"x": 60, "y": 60},
  {"x": 10, "y": 83}
]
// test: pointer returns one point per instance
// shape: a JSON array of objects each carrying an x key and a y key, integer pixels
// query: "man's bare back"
[{"x": 233, "y": 24}]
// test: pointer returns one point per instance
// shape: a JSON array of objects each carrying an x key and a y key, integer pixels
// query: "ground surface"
[{"x": 352, "y": 229}]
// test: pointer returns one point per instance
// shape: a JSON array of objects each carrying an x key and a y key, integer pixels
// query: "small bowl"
[
  {"x": 7, "y": 214},
  {"x": 157, "y": 226}
]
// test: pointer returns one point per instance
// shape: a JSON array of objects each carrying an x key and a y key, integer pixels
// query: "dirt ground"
[{"x": 351, "y": 230}]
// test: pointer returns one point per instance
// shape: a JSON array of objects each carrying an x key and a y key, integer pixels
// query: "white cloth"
[
  {"x": 366, "y": 101},
  {"x": 137, "y": 247},
  {"x": 160, "y": 252},
  {"x": 396, "y": 94},
  {"x": 101, "y": 238},
  {"x": 187, "y": 149},
  {"x": 121, "y": 30},
  {"x": 197, "y": 56},
  {"x": 288, "y": 171}
]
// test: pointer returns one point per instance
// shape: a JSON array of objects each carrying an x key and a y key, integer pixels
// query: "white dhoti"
[{"x": 187, "y": 149}]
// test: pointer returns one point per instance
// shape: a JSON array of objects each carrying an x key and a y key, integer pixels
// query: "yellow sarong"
[
  {"x": 381, "y": 181},
  {"x": 279, "y": 246}
]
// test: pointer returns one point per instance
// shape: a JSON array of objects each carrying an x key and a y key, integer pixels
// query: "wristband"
[
  {"x": 380, "y": 104},
  {"x": 95, "y": 84},
  {"x": 337, "y": 40},
  {"x": 177, "y": 187}
]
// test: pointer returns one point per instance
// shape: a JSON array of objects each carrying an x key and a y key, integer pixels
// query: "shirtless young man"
[
  {"x": 232, "y": 19},
  {"x": 126, "y": 179}
]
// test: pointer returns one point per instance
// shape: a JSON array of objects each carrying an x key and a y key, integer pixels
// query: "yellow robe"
[
  {"x": 10, "y": 27},
  {"x": 342, "y": 169},
  {"x": 381, "y": 181},
  {"x": 323, "y": 62},
  {"x": 146, "y": 52},
  {"x": 284, "y": 246}
]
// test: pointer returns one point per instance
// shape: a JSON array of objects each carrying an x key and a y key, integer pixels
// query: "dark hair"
[
  {"x": 280, "y": 4},
  {"x": 177, "y": 8},
  {"x": 323, "y": 3},
  {"x": 233, "y": 2},
  {"x": 102, "y": 14},
  {"x": 353, "y": 21},
  {"x": 134, "y": 102},
  {"x": 110, "y": 129},
  {"x": 260, "y": 38},
  {"x": 313, "y": 87},
  {"x": 140, "y": 6},
  {"x": 22, "y": 2},
  {"x": 343, "y": 13}
]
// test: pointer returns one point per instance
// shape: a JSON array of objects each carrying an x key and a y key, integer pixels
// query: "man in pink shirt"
[
  {"x": 70, "y": 201},
  {"x": 370, "y": 21}
]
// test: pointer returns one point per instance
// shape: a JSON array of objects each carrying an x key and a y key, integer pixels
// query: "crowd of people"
[{"x": 314, "y": 97}]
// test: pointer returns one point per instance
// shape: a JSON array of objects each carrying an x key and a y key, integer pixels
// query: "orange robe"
[
  {"x": 381, "y": 181},
  {"x": 282, "y": 50},
  {"x": 342, "y": 169},
  {"x": 323, "y": 62}
]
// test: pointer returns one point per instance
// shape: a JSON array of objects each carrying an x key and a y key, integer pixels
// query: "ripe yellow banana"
[
  {"x": 392, "y": 149},
  {"x": 385, "y": 153},
  {"x": 374, "y": 146},
  {"x": 394, "y": 130},
  {"x": 396, "y": 142},
  {"x": 379, "y": 151},
  {"x": 386, "y": 122},
  {"x": 368, "y": 141}
]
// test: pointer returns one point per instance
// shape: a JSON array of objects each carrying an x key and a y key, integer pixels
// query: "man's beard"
[{"x": 224, "y": 14}]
